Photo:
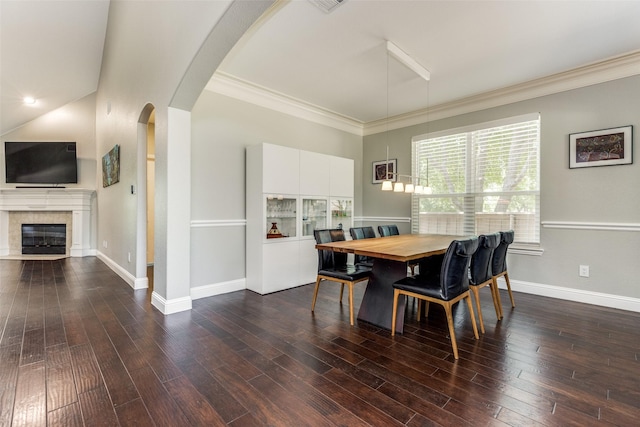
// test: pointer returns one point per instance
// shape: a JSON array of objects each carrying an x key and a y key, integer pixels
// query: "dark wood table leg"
[{"x": 377, "y": 302}]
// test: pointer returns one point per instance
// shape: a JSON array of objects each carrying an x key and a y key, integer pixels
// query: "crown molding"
[
  {"x": 611, "y": 69},
  {"x": 231, "y": 86},
  {"x": 618, "y": 67}
]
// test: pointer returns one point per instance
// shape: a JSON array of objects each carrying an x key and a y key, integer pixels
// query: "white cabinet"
[{"x": 289, "y": 193}]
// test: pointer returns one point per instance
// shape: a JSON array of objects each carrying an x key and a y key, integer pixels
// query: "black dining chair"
[
  {"x": 388, "y": 230},
  {"x": 333, "y": 267},
  {"x": 358, "y": 233},
  {"x": 444, "y": 287},
  {"x": 392, "y": 230},
  {"x": 499, "y": 264},
  {"x": 480, "y": 273}
]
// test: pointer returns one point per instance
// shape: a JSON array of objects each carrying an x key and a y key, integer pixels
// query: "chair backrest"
[
  {"x": 454, "y": 274},
  {"x": 358, "y": 233},
  {"x": 330, "y": 259},
  {"x": 362, "y": 233},
  {"x": 388, "y": 230},
  {"x": 499, "y": 262},
  {"x": 481, "y": 260}
]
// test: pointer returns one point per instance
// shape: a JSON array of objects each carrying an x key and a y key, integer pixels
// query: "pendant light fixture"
[{"x": 414, "y": 184}]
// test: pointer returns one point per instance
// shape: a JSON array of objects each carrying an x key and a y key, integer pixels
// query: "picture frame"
[
  {"x": 384, "y": 170},
  {"x": 604, "y": 147},
  {"x": 111, "y": 167}
]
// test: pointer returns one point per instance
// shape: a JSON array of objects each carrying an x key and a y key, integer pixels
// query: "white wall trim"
[
  {"x": 619, "y": 67},
  {"x": 609, "y": 226},
  {"x": 124, "y": 274},
  {"x": 218, "y": 223},
  {"x": 571, "y": 294},
  {"x": 233, "y": 87},
  {"x": 175, "y": 305},
  {"x": 218, "y": 288},
  {"x": 626, "y": 65},
  {"x": 385, "y": 219}
]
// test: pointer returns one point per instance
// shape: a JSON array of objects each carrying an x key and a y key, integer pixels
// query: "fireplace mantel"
[{"x": 75, "y": 200}]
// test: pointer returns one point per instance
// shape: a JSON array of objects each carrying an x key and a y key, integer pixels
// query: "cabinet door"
[
  {"x": 281, "y": 270},
  {"x": 314, "y": 215},
  {"x": 315, "y": 173},
  {"x": 281, "y": 170},
  {"x": 281, "y": 217},
  {"x": 342, "y": 213},
  {"x": 342, "y": 176},
  {"x": 308, "y": 261}
]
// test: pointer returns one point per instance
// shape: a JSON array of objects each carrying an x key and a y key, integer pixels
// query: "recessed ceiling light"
[{"x": 29, "y": 100}]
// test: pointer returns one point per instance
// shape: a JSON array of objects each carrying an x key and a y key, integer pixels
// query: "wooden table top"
[{"x": 404, "y": 247}]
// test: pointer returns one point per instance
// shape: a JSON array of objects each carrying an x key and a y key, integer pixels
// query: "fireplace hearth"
[{"x": 44, "y": 239}]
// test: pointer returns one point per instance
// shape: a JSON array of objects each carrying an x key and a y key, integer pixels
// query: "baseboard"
[
  {"x": 141, "y": 283},
  {"x": 170, "y": 306},
  {"x": 124, "y": 274},
  {"x": 218, "y": 288},
  {"x": 572, "y": 294}
]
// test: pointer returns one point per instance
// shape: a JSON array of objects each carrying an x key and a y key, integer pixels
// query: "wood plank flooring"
[{"x": 79, "y": 347}]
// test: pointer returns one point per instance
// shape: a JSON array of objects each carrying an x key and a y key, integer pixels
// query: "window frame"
[{"x": 470, "y": 196}]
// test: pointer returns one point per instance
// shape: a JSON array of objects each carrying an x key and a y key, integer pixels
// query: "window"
[{"x": 484, "y": 179}]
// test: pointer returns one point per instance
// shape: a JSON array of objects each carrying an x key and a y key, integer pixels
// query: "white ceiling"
[
  {"x": 50, "y": 50},
  {"x": 335, "y": 61}
]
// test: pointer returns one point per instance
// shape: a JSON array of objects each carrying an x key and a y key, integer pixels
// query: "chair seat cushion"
[
  {"x": 424, "y": 285},
  {"x": 349, "y": 272}
]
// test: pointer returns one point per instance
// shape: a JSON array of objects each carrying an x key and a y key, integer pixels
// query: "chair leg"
[
  {"x": 394, "y": 312},
  {"x": 476, "y": 294},
  {"x": 452, "y": 332},
  {"x": 506, "y": 278},
  {"x": 495, "y": 283},
  {"x": 341, "y": 291},
  {"x": 473, "y": 317},
  {"x": 494, "y": 297},
  {"x": 419, "y": 311},
  {"x": 315, "y": 294},
  {"x": 350, "y": 303}
]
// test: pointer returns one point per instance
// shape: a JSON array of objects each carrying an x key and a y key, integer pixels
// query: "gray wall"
[
  {"x": 590, "y": 195},
  {"x": 222, "y": 128}
]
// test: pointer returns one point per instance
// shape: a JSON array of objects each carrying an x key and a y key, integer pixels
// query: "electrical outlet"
[
  {"x": 104, "y": 244},
  {"x": 129, "y": 256},
  {"x": 584, "y": 271}
]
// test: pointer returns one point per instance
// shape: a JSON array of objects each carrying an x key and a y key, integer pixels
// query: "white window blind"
[{"x": 483, "y": 178}]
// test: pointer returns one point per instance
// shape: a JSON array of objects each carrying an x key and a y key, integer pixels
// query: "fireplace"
[
  {"x": 70, "y": 206},
  {"x": 44, "y": 239}
]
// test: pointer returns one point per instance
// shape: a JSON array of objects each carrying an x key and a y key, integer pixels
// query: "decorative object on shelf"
[
  {"x": 111, "y": 167},
  {"x": 388, "y": 172},
  {"x": 604, "y": 147},
  {"x": 273, "y": 232}
]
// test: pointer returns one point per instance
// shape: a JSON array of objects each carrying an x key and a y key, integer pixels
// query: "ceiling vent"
[{"x": 327, "y": 5}]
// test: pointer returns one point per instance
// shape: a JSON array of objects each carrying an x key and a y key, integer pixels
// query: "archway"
[{"x": 146, "y": 200}]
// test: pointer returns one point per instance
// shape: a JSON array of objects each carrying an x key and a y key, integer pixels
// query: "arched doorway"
[{"x": 146, "y": 196}]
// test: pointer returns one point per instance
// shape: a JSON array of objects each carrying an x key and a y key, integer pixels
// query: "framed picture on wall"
[
  {"x": 604, "y": 147},
  {"x": 111, "y": 167},
  {"x": 384, "y": 170}
]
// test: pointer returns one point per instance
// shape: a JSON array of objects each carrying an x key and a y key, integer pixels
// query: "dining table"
[{"x": 391, "y": 255}]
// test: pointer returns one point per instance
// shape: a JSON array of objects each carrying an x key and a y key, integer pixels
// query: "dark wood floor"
[{"x": 79, "y": 347}]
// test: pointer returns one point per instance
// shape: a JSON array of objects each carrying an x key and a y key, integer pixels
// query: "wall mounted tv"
[{"x": 41, "y": 163}]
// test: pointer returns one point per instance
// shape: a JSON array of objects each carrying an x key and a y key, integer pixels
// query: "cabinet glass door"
[
  {"x": 341, "y": 213},
  {"x": 314, "y": 215},
  {"x": 281, "y": 218}
]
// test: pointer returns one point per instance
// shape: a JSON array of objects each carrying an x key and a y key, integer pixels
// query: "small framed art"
[
  {"x": 384, "y": 170},
  {"x": 604, "y": 147}
]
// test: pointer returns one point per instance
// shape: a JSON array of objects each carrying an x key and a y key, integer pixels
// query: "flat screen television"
[{"x": 41, "y": 163}]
